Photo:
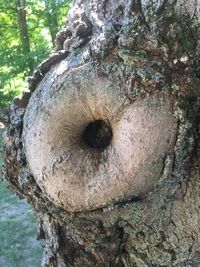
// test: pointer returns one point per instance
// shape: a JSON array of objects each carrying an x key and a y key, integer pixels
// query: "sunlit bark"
[{"x": 133, "y": 67}]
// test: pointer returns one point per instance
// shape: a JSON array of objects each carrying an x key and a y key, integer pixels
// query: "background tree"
[
  {"x": 25, "y": 40},
  {"x": 23, "y": 30},
  {"x": 53, "y": 11},
  {"x": 107, "y": 150},
  {"x": 51, "y": 16}
]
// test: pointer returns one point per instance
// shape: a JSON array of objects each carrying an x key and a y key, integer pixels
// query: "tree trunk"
[
  {"x": 23, "y": 29},
  {"x": 52, "y": 21},
  {"x": 107, "y": 150}
]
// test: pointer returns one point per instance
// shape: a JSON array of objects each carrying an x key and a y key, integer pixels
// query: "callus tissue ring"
[{"x": 88, "y": 146}]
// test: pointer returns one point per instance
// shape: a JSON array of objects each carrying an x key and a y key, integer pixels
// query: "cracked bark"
[{"x": 161, "y": 228}]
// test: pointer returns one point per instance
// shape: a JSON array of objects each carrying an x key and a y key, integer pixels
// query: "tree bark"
[{"x": 135, "y": 66}]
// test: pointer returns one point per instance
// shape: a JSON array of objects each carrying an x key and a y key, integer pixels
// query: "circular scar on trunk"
[{"x": 88, "y": 146}]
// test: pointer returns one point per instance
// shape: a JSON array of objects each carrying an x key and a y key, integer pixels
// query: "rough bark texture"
[{"x": 147, "y": 48}]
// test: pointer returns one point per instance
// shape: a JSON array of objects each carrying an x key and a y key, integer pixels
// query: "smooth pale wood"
[{"x": 77, "y": 177}]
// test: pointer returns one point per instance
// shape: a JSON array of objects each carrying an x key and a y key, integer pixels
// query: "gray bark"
[{"x": 142, "y": 49}]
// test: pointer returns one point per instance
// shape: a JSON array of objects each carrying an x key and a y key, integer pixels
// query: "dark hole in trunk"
[{"x": 98, "y": 134}]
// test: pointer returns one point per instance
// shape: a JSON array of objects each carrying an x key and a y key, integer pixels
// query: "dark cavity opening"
[{"x": 98, "y": 134}]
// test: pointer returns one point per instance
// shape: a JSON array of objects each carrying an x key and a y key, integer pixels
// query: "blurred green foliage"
[{"x": 21, "y": 51}]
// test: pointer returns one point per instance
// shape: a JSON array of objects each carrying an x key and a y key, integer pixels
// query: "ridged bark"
[{"x": 147, "y": 48}]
